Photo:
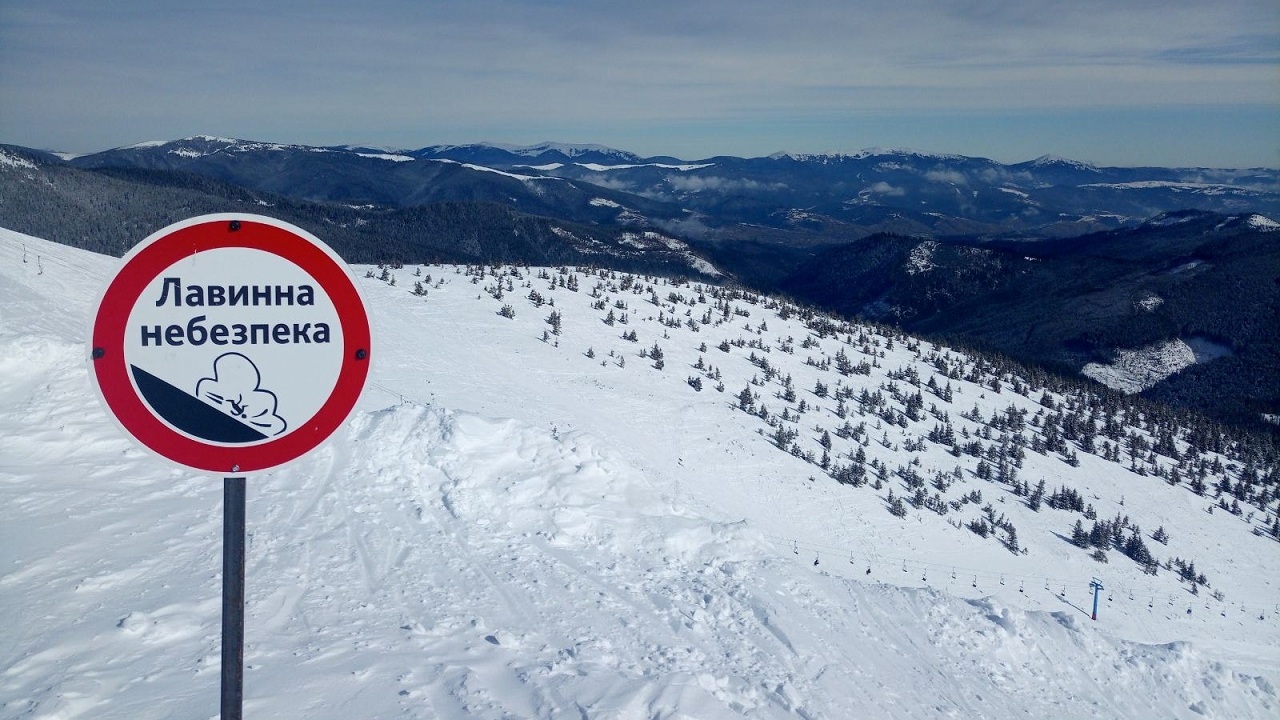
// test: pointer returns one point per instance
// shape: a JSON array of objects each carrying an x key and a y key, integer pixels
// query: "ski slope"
[{"x": 508, "y": 528}]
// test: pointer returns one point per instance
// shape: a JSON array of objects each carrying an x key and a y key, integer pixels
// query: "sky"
[{"x": 1137, "y": 82}]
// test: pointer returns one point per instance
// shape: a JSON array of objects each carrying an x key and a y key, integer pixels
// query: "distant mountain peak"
[
  {"x": 572, "y": 149},
  {"x": 865, "y": 153},
  {"x": 907, "y": 152},
  {"x": 510, "y": 155},
  {"x": 1059, "y": 161},
  {"x": 200, "y": 145},
  {"x": 215, "y": 138},
  {"x": 145, "y": 144}
]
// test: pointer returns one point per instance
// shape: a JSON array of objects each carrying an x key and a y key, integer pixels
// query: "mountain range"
[
  {"x": 874, "y": 190},
  {"x": 1084, "y": 269}
]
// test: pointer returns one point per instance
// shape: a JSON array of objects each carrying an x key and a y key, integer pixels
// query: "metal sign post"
[{"x": 233, "y": 532}]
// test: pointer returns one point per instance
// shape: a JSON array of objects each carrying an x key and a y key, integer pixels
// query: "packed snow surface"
[{"x": 522, "y": 525}]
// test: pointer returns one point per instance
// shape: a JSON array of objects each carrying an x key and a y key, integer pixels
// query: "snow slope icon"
[
  {"x": 236, "y": 388},
  {"x": 229, "y": 407}
]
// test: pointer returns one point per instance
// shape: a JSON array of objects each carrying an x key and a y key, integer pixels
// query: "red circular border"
[{"x": 141, "y": 268}]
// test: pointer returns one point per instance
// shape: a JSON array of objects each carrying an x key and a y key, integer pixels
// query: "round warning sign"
[{"x": 230, "y": 343}]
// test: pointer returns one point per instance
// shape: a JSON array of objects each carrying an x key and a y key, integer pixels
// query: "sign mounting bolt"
[{"x": 234, "y": 225}]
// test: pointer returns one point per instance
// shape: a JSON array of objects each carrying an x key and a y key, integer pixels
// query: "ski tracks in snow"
[{"x": 485, "y": 526}]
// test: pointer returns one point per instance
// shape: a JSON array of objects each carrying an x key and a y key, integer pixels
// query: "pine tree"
[
  {"x": 655, "y": 353},
  {"x": 896, "y": 507},
  {"x": 1037, "y": 495},
  {"x": 1099, "y": 536},
  {"x": 1079, "y": 537},
  {"x": 1011, "y": 541},
  {"x": 1136, "y": 549}
]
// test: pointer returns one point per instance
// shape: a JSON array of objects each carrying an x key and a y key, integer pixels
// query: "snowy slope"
[{"x": 510, "y": 528}]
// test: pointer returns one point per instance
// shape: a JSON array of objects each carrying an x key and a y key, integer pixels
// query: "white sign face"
[
  {"x": 244, "y": 370},
  {"x": 231, "y": 343}
]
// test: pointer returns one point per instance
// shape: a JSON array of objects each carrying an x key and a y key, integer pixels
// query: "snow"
[
  {"x": 1135, "y": 370},
  {"x": 920, "y": 259},
  {"x": 509, "y": 528},
  {"x": 701, "y": 265},
  {"x": 218, "y": 139},
  {"x": 1014, "y": 191},
  {"x": 482, "y": 168},
  {"x": 597, "y": 167},
  {"x": 567, "y": 149},
  {"x": 864, "y": 154},
  {"x": 603, "y": 202},
  {"x": 1201, "y": 188},
  {"x": 1262, "y": 222},
  {"x": 1138, "y": 369},
  {"x": 394, "y": 157},
  {"x": 1056, "y": 160},
  {"x": 11, "y": 160},
  {"x": 1149, "y": 302}
]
